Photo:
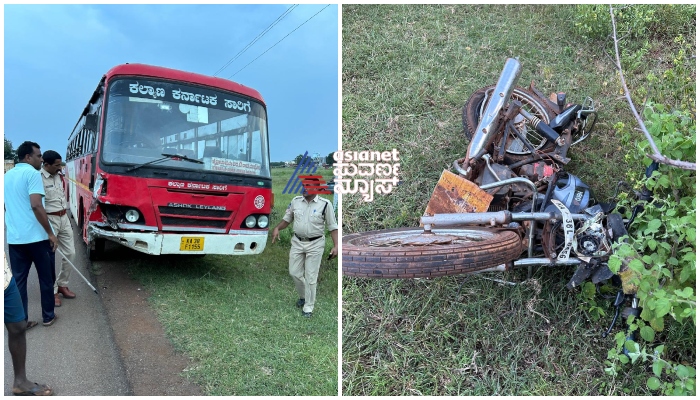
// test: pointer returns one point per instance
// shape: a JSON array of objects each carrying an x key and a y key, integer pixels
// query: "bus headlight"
[
  {"x": 263, "y": 221},
  {"x": 132, "y": 215},
  {"x": 250, "y": 221}
]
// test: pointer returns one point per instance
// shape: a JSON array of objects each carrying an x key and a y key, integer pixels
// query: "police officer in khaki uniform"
[
  {"x": 56, "y": 207},
  {"x": 310, "y": 213}
]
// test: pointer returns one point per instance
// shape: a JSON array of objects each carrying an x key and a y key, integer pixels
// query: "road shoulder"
[{"x": 153, "y": 367}]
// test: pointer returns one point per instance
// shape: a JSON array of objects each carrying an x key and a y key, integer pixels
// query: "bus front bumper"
[{"x": 185, "y": 243}]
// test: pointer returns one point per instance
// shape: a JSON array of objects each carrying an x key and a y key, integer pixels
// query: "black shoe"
[
  {"x": 306, "y": 314},
  {"x": 301, "y": 302},
  {"x": 49, "y": 323}
]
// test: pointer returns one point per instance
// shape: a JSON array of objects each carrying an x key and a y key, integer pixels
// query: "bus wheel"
[{"x": 96, "y": 249}]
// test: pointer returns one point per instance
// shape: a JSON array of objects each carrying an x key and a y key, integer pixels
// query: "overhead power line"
[
  {"x": 268, "y": 49},
  {"x": 260, "y": 35}
]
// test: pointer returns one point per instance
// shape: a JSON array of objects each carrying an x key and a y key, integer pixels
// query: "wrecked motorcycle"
[{"x": 510, "y": 195}]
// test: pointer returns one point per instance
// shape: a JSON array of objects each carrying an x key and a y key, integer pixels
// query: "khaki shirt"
[
  {"x": 55, "y": 199},
  {"x": 308, "y": 217}
]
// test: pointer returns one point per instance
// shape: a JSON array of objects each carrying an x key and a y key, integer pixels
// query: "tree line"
[
  {"x": 278, "y": 164},
  {"x": 11, "y": 154}
]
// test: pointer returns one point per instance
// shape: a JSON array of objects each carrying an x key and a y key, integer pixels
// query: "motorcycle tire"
[
  {"x": 471, "y": 115},
  {"x": 404, "y": 253}
]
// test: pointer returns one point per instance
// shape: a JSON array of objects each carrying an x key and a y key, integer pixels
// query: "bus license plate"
[{"x": 192, "y": 244}]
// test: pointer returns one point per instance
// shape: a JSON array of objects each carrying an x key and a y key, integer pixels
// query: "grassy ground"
[
  {"x": 236, "y": 317},
  {"x": 407, "y": 71}
]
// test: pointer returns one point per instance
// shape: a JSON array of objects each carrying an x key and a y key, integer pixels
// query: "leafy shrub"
[
  {"x": 661, "y": 247},
  {"x": 661, "y": 250},
  {"x": 640, "y": 20}
]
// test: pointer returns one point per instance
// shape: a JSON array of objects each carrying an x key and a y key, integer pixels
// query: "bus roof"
[{"x": 168, "y": 73}]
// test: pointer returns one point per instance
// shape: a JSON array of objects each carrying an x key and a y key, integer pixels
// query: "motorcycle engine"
[
  {"x": 536, "y": 171},
  {"x": 590, "y": 239},
  {"x": 592, "y": 242}
]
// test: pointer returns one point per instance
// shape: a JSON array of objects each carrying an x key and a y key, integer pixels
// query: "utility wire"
[
  {"x": 268, "y": 49},
  {"x": 260, "y": 35}
]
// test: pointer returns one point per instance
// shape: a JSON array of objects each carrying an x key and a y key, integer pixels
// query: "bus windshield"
[{"x": 148, "y": 118}]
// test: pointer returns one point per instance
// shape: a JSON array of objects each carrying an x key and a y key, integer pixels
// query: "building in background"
[{"x": 9, "y": 164}]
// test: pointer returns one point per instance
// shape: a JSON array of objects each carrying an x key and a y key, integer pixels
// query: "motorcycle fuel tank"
[{"x": 571, "y": 191}]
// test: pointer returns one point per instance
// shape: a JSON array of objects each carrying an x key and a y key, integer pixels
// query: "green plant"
[
  {"x": 678, "y": 81},
  {"x": 661, "y": 252},
  {"x": 637, "y": 21},
  {"x": 589, "y": 304},
  {"x": 407, "y": 71}
]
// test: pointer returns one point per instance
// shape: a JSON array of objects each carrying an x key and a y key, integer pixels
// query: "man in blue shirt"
[{"x": 29, "y": 233}]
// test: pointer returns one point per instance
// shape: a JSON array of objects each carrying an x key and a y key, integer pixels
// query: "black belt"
[
  {"x": 307, "y": 239},
  {"x": 59, "y": 213}
]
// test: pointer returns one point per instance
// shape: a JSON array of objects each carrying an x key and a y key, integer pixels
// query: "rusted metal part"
[
  {"x": 454, "y": 194},
  {"x": 549, "y": 240},
  {"x": 563, "y": 145},
  {"x": 500, "y": 154},
  {"x": 560, "y": 158},
  {"x": 456, "y": 165},
  {"x": 516, "y": 135},
  {"x": 551, "y": 106},
  {"x": 531, "y": 241},
  {"x": 511, "y": 112},
  {"x": 509, "y": 181},
  {"x": 537, "y": 171},
  {"x": 494, "y": 173}
]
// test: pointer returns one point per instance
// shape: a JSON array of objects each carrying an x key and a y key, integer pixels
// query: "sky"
[{"x": 55, "y": 56}]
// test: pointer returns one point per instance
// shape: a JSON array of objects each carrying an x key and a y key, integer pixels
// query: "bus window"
[{"x": 219, "y": 131}]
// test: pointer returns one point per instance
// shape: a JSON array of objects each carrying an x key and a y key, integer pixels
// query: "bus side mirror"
[{"x": 91, "y": 122}]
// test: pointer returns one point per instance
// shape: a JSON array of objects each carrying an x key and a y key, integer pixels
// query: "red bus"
[{"x": 170, "y": 162}]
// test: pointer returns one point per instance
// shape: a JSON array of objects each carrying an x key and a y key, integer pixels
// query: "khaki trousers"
[
  {"x": 304, "y": 263},
  {"x": 64, "y": 232}
]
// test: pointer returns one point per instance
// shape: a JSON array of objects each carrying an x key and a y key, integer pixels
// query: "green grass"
[
  {"x": 235, "y": 317},
  {"x": 428, "y": 337},
  {"x": 407, "y": 71}
]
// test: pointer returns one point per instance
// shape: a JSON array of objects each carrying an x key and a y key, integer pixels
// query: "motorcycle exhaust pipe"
[{"x": 500, "y": 97}]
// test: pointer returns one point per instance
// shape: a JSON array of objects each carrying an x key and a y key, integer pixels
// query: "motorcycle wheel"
[
  {"x": 473, "y": 108},
  {"x": 406, "y": 253}
]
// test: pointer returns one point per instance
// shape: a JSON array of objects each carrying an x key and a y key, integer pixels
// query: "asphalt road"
[
  {"x": 105, "y": 344},
  {"x": 77, "y": 355}
]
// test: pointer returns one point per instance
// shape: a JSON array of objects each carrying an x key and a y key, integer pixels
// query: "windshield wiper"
[{"x": 166, "y": 156}]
